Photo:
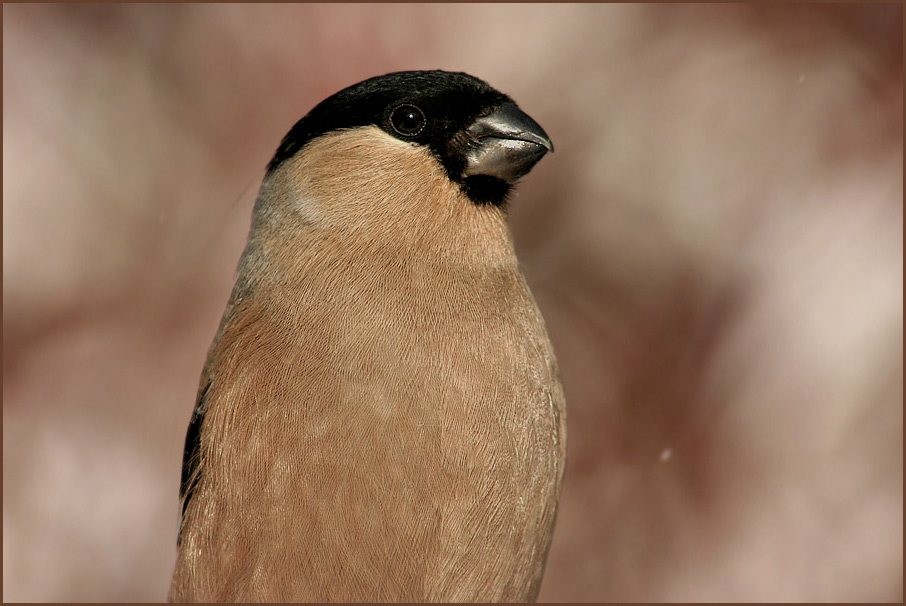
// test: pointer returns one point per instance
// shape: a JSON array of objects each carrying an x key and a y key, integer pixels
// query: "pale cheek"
[{"x": 365, "y": 178}]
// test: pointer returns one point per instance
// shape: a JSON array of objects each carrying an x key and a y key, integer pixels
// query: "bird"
[{"x": 380, "y": 416}]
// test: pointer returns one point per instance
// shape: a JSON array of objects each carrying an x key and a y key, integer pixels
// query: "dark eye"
[{"x": 407, "y": 120}]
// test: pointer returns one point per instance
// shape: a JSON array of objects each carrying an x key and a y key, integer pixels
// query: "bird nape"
[{"x": 381, "y": 417}]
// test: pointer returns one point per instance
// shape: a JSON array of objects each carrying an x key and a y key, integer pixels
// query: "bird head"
[{"x": 479, "y": 136}]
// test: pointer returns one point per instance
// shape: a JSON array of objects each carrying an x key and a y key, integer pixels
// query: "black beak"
[{"x": 505, "y": 144}]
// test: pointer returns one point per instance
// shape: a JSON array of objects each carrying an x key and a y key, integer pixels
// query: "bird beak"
[{"x": 505, "y": 144}]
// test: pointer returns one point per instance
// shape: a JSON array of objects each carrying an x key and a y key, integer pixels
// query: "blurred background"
[{"x": 717, "y": 247}]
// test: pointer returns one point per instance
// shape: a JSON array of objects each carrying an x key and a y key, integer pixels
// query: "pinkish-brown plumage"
[{"x": 382, "y": 414}]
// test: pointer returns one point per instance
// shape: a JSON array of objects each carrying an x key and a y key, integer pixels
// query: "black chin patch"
[{"x": 483, "y": 190}]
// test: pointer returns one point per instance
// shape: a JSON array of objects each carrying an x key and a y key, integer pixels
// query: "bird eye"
[{"x": 407, "y": 120}]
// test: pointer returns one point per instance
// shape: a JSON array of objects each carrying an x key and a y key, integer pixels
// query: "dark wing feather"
[{"x": 191, "y": 452}]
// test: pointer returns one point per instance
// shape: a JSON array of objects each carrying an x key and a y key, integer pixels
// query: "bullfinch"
[{"x": 380, "y": 417}]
